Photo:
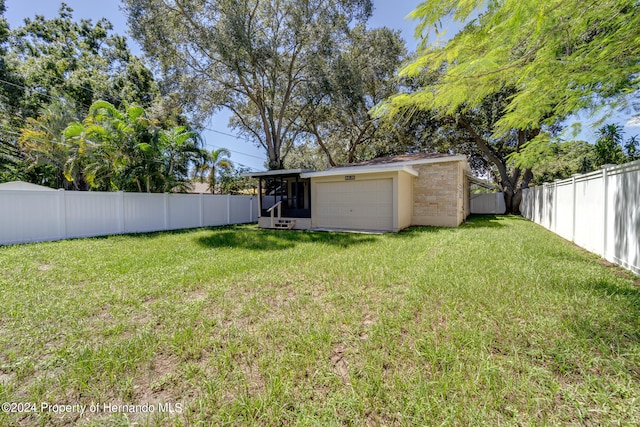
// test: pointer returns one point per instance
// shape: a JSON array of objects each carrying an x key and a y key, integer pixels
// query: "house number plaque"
[{"x": 349, "y": 177}]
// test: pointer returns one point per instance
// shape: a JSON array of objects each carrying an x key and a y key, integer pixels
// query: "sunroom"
[{"x": 285, "y": 199}]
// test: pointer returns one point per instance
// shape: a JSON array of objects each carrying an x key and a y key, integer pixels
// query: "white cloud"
[{"x": 634, "y": 122}]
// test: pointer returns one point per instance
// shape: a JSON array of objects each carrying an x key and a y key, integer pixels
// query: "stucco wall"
[
  {"x": 438, "y": 194},
  {"x": 405, "y": 200}
]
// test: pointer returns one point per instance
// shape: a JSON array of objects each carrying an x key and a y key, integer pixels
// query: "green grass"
[{"x": 497, "y": 322}]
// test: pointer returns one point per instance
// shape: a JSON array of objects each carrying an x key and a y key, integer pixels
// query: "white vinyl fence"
[
  {"x": 599, "y": 211},
  {"x": 492, "y": 203},
  {"x": 29, "y": 216}
]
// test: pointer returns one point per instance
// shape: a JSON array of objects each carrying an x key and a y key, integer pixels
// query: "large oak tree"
[{"x": 249, "y": 56}]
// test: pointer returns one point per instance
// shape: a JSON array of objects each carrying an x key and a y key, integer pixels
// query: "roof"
[
  {"x": 276, "y": 172},
  {"x": 413, "y": 158},
  {"x": 380, "y": 164},
  {"x": 481, "y": 182},
  {"x": 23, "y": 186},
  {"x": 388, "y": 164},
  {"x": 199, "y": 188},
  {"x": 348, "y": 170}
]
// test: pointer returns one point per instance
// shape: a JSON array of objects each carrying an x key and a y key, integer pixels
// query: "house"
[{"x": 384, "y": 194}]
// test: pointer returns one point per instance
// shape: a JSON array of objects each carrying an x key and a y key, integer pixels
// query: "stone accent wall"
[{"x": 436, "y": 194}]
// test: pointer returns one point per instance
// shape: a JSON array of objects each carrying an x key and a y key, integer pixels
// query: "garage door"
[{"x": 357, "y": 205}]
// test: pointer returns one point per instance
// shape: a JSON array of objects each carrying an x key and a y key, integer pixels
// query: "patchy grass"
[{"x": 495, "y": 322}]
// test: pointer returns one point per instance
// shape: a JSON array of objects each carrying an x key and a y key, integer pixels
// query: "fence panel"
[
  {"x": 215, "y": 210},
  {"x": 240, "y": 209},
  {"x": 144, "y": 212},
  {"x": 564, "y": 209},
  {"x": 623, "y": 217},
  {"x": 492, "y": 203},
  {"x": 589, "y": 215},
  {"x": 28, "y": 216},
  {"x": 184, "y": 211},
  {"x": 599, "y": 211},
  {"x": 91, "y": 214}
]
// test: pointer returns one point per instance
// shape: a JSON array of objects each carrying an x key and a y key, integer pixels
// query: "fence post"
[
  {"x": 605, "y": 190},
  {"x": 573, "y": 208},
  {"x": 201, "y": 204},
  {"x": 555, "y": 206},
  {"x": 228, "y": 209},
  {"x": 121, "y": 212},
  {"x": 62, "y": 214},
  {"x": 166, "y": 211}
]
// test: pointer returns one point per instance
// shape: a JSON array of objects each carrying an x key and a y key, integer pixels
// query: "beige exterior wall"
[
  {"x": 439, "y": 194},
  {"x": 301, "y": 223},
  {"x": 405, "y": 200},
  {"x": 463, "y": 192}
]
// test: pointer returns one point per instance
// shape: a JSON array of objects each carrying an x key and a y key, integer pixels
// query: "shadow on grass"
[{"x": 270, "y": 240}]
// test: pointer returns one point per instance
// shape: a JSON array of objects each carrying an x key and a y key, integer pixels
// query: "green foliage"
[
  {"x": 233, "y": 181},
  {"x": 560, "y": 160},
  {"x": 346, "y": 86},
  {"x": 610, "y": 148},
  {"x": 109, "y": 150},
  {"x": 213, "y": 165},
  {"x": 80, "y": 62},
  {"x": 249, "y": 56},
  {"x": 73, "y": 99},
  {"x": 560, "y": 55}
]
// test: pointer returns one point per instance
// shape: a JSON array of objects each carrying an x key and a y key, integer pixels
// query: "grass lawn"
[{"x": 495, "y": 322}]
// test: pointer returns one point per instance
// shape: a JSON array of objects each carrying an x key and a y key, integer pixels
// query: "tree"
[
  {"x": 216, "y": 162},
  {"x": 234, "y": 181},
  {"x": 11, "y": 92},
  {"x": 560, "y": 160},
  {"x": 249, "y": 56},
  {"x": 559, "y": 55},
  {"x": 346, "y": 87},
  {"x": 179, "y": 147},
  {"x": 551, "y": 59},
  {"x": 78, "y": 62},
  {"x": 127, "y": 150},
  {"x": 610, "y": 147},
  {"x": 52, "y": 160}
]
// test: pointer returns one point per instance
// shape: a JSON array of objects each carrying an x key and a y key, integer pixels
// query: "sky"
[{"x": 387, "y": 13}]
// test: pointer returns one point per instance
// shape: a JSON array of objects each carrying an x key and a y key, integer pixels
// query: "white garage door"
[{"x": 357, "y": 205}]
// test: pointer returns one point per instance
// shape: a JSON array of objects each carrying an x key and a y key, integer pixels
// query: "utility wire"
[{"x": 205, "y": 128}]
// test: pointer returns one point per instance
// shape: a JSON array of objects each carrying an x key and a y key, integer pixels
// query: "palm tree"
[
  {"x": 179, "y": 147},
  {"x": 210, "y": 164},
  {"x": 47, "y": 148}
]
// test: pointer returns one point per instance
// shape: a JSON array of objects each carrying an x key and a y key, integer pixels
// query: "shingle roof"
[{"x": 400, "y": 158}]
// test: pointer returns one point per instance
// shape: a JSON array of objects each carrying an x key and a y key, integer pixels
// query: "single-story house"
[{"x": 384, "y": 194}]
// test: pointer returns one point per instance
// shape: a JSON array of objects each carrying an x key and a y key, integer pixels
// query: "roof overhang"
[
  {"x": 277, "y": 172},
  {"x": 404, "y": 166},
  {"x": 359, "y": 170},
  {"x": 481, "y": 182}
]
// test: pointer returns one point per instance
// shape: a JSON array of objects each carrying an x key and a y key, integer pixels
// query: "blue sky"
[{"x": 387, "y": 13}]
